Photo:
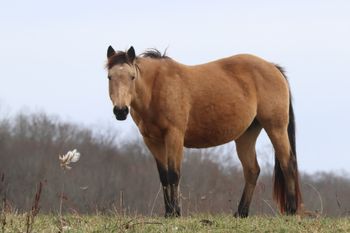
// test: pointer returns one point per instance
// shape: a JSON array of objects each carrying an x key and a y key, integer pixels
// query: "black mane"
[
  {"x": 120, "y": 57},
  {"x": 154, "y": 53}
]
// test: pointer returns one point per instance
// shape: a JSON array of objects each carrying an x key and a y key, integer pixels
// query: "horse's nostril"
[
  {"x": 125, "y": 110},
  {"x": 115, "y": 110},
  {"x": 121, "y": 113}
]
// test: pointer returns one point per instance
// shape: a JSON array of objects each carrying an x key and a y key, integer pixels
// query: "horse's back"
[{"x": 227, "y": 95}]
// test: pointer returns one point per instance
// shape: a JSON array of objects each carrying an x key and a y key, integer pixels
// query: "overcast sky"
[{"x": 52, "y": 58}]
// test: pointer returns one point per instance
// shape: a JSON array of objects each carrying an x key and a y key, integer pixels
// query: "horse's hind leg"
[
  {"x": 286, "y": 177},
  {"x": 245, "y": 146}
]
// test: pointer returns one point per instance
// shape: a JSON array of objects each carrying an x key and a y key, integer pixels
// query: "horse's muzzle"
[{"x": 121, "y": 113}]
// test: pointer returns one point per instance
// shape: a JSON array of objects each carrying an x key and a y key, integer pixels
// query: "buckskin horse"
[{"x": 176, "y": 106}]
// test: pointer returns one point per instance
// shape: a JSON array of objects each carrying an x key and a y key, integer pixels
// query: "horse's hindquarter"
[{"x": 223, "y": 103}]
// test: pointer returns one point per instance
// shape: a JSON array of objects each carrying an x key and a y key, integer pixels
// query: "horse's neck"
[{"x": 143, "y": 85}]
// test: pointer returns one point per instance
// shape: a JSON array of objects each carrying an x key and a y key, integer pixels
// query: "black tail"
[{"x": 280, "y": 194}]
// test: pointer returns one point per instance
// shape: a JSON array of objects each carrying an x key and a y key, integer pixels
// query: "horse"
[{"x": 230, "y": 99}]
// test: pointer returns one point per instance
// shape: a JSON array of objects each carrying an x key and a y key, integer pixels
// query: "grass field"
[{"x": 198, "y": 223}]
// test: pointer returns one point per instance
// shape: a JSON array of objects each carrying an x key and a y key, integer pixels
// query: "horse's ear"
[
  {"x": 110, "y": 52},
  {"x": 131, "y": 54}
]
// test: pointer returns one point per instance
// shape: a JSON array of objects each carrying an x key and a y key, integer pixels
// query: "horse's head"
[{"x": 122, "y": 72}]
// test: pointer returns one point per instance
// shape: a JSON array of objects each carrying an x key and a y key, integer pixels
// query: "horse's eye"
[
  {"x": 132, "y": 77},
  {"x": 109, "y": 77}
]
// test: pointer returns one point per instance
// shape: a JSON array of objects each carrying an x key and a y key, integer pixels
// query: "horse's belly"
[
  {"x": 214, "y": 134},
  {"x": 209, "y": 138},
  {"x": 220, "y": 112}
]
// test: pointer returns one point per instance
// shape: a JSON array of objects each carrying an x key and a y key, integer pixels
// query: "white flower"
[
  {"x": 71, "y": 157},
  {"x": 66, "y": 228}
]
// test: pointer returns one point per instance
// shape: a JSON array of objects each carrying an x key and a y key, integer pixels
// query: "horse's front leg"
[
  {"x": 174, "y": 142},
  {"x": 157, "y": 149}
]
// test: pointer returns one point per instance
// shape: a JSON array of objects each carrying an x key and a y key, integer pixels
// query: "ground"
[{"x": 197, "y": 223}]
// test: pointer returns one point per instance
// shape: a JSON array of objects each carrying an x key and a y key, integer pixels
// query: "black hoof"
[
  {"x": 291, "y": 206},
  {"x": 172, "y": 215},
  {"x": 240, "y": 215},
  {"x": 291, "y": 211}
]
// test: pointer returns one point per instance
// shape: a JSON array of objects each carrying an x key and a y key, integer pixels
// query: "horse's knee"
[
  {"x": 163, "y": 174},
  {"x": 173, "y": 177},
  {"x": 255, "y": 172}
]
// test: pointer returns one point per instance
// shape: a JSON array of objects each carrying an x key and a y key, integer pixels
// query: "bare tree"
[{"x": 122, "y": 177}]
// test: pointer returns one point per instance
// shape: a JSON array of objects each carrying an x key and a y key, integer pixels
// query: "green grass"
[{"x": 198, "y": 223}]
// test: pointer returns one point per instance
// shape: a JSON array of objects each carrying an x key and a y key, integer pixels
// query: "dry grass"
[
  {"x": 197, "y": 223},
  {"x": 34, "y": 210}
]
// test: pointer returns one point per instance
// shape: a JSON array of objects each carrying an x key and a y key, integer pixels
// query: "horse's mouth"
[{"x": 121, "y": 113}]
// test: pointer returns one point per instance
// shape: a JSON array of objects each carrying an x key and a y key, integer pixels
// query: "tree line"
[{"x": 122, "y": 177}]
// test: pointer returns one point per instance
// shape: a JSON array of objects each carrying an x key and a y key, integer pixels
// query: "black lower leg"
[
  {"x": 243, "y": 209},
  {"x": 291, "y": 207},
  {"x": 163, "y": 175},
  {"x": 167, "y": 201},
  {"x": 291, "y": 203},
  {"x": 173, "y": 178},
  {"x": 244, "y": 204}
]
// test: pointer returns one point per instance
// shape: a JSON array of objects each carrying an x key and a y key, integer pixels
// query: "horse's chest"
[{"x": 150, "y": 130}]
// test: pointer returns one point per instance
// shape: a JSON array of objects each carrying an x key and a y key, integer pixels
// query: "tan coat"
[{"x": 176, "y": 105}]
